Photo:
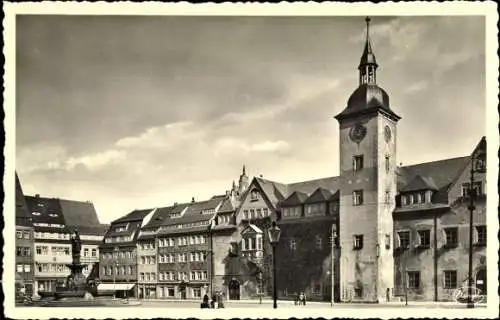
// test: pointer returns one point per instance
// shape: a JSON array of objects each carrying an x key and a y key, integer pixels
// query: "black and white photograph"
[{"x": 236, "y": 161}]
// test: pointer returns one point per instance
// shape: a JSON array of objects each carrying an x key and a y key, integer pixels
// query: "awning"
[{"x": 115, "y": 286}]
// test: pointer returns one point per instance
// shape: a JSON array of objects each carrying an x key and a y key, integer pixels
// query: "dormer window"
[
  {"x": 53, "y": 215},
  {"x": 478, "y": 188},
  {"x": 411, "y": 199},
  {"x": 35, "y": 213}
]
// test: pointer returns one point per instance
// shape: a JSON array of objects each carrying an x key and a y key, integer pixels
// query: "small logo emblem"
[{"x": 461, "y": 295}]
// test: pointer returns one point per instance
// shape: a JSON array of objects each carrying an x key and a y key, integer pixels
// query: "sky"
[{"x": 137, "y": 112}]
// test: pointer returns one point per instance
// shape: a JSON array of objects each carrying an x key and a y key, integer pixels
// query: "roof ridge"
[{"x": 434, "y": 161}]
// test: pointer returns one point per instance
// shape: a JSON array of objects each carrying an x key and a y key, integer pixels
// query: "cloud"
[
  {"x": 270, "y": 146},
  {"x": 155, "y": 137},
  {"x": 417, "y": 86}
]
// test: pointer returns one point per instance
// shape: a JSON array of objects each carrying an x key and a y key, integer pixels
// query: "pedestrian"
[
  {"x": 204, "y": 304},
  {"x": 301, "y": 298},
  {"x": 212, "y": 303},
  {"x": 388, "y": 295},
  {"x": 304, "y": 300}
]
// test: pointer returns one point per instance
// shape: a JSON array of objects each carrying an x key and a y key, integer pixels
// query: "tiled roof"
[
  {"x": 49, "y": 210},
  {"x": 320, "y": 195},
  {"x": 187, "y": 219},
  {"x": 97, "y": 230},
  {"x": 442, "y": 172},
  {"x": 136, "y": 215},
  {"x": 294, "y": 199},
  {"x": 78, "y": 213},
  {"x": 158, "y": 217},
  {"x": 274, "y": 191},
  {"x": 226, "y": 206},
  {"x": 23, "y": 216},
  {"x": 197, "y": 207},
  {"x": 331, "y": 184},
  {"x": 420, "y": 183}
]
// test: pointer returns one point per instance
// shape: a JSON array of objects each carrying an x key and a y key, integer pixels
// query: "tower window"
[
  {"x": 387, "y": 197},
  {"x": 358, "y": 242},
  {"x": 357, "y": 197},
  {"x": 357, "y": 162},
  {"x": 387, "y": 164}
]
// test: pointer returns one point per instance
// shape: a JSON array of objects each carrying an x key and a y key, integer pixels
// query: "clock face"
[
  {"x": 387, "y": 133},
  {"x": 357, "y": 133}
]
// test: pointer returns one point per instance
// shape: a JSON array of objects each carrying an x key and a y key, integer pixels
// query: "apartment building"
[
  {"x": 24, "y": 243},
  {"x": 118, "y": 254}
]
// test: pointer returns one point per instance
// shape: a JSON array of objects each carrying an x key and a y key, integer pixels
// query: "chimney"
[
  {"x": 192, "y": 200},
  {"x": 37, "y": 195},
  {"x": 260, "y": 175},
  {"x": 175, "y": 204}
]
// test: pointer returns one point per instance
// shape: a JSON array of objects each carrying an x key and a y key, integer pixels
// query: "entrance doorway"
[
  {"x": 481, "y": 280},
  {"x": 234, "y": 290}
]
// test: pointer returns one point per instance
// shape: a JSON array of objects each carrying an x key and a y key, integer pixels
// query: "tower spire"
[
  {"x": 368, "y": 64},
  {"x": 244, "y": 173}
]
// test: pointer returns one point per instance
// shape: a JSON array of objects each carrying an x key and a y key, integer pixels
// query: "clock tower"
[{"x": 368, "y": 187}]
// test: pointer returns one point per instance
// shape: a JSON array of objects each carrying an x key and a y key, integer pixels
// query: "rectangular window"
[
  {"x": 451, "y": 237},
  {"x": 86, "y": 252},
  {"x": 293, "y": 244},
  {"x": 196, "y": 293},
  {"x": 19, "y": 234},
  {"x": 170, "y": 292},
  {"x": 26, "y": 235},
  {"x": 19, "y": 268},
  {"x": 265, "y": 211},
  {"x": 94, "y": 252},
  {"x": 245, "y": 214},
  {"x": 450, "y": 279},
  {"x": 358, "y": 242},
  {"x": 387, "y": 197},
  {"x": 319, "y": 242},
  {"x": 404, "y": 239},
  {"x": 481, "y": 235},
  {"x": 424, "y": 237},
  {"x": 387, "y": 241},
  {"x": 357, "y": 162},
  {"x": 403, "y": 201},
  {"x": 387, "y": 164},
  {"x": 414, "y": 279},
  {"x": 357, "y": 197}
]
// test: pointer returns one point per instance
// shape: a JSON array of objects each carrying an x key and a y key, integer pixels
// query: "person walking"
[{"x": 204, "y": 304}]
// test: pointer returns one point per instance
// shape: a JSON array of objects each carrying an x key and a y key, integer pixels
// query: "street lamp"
[
  {"x": 478, "y": 165},
  {"x": 259, "y": 276},
  {"x": 274, "y": 236},
  {"x": 334, "y": 244},
  {"x": 115, "y": 270},
  {"x": 210, "y": 231}
]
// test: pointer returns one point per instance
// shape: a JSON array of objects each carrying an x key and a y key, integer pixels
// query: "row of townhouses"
[{"x": 43, "y": 245}]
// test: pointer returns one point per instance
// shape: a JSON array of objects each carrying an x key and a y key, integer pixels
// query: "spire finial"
[
  {"x": 367, "y": 19},
  {"x": 244, "y": 170}
]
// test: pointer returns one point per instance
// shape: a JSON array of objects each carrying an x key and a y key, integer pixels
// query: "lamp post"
[
  {"x": 115, "y": 270},
  {"x": 334, "y": 244},
  {"x": 210, "y": 231},
  {"x": 478, "y": 165},
  {"x": 260, "y": 285},
  {"x": 274, "y": 236},
  {"x": 407, "y": 249}
]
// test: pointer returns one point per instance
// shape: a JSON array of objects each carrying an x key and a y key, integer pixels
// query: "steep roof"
[
  {"x": 319, "y": 195},
  {"x": 226, "y": 206},
  {"x": 78, "y": 213},
  {"x": 158, "y": 217},
  {"x": 136, "y": 215},
  {"x": 194, "y": 212},
  {"x": 442, "y": 172},
  {"x": 420, "y": 183},
  {"x": 23, "y": 216},
  {"x": 274, "y": 191},
  {"x": 96, "y": 230},
  {"x": 48, "y": 210},
  {"x": 294, "y": 199},
  {"x": 197, "y": 207}
]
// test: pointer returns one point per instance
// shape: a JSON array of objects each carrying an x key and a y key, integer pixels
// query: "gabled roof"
[
  {"x": 294, "y": 199},
  {"x": 23, "y": 216},
  {"x": 226, "y": 206},
  {"x": 420, "y": 183},
  {"x": 273, "y": 190},
  {"x": 320, "y": 195},
  {"x": 193, "y": 212},
  {"x": 251, "y": 228},
  {"x": 442, "y": 172},
  {"x": 197, "y": 207},
  {"x": 331, "y": 184},
  {"x": 78, "y": 213},
  {"x": 136, "y": 215},
  {"x": 97, "y": 230},
  {"x": 158, "y": 217}
]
